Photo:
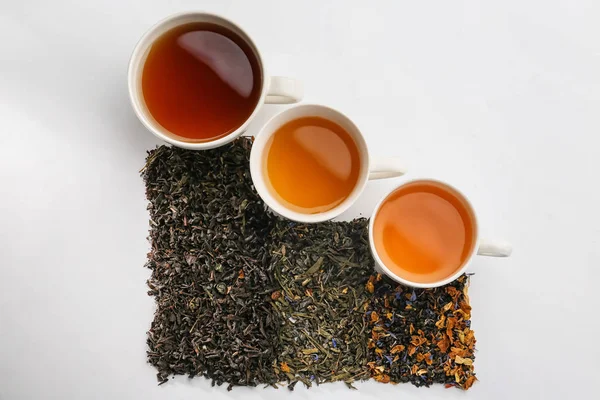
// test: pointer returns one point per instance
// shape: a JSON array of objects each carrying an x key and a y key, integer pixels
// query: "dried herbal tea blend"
[
  {"x": 421, "y": 336},
  {"x": 322, "y": 270},
  {"x": 210, "y": 267}
]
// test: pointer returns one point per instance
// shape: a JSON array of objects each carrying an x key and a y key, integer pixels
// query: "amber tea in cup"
[
  {"x": 423, "y": 232},
  {"x": 312, "y": 164},
  {"x": 201, "y": 81}
]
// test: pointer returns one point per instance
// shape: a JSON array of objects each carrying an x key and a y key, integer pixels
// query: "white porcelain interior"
[
  {"x": 380, "y": 266},
  {"x": 136, "y": 65},
  {"x": 259, "y": 153}
]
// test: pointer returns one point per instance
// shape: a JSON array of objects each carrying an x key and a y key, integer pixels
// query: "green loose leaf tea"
[
  {"x": 322, "y": 270},
  {"x": 245, "y": 298}
]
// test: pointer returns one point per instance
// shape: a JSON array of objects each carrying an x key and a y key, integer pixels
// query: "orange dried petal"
[
  {"x": 464, "y": 361},
  {"x": 370, "y": 287},
  {"x": 411, "y": 350},
  {"x": 397, "y": 348},
  {"x": 469, "y": 382},
  {"x": 418, "y": 340},
  {"x": 275, "y": 295},
  {"x": 428, "y": 358},
  {"x": 443, "y": 344},
  {"x": 441, "y": 322},
  {"x": 456, "y": 351},
  {"x": 374, "y": 317},
  {"x": 465, "y": 307}
]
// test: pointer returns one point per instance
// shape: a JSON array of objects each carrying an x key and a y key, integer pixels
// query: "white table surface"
[{"x": 500, "y": 98}]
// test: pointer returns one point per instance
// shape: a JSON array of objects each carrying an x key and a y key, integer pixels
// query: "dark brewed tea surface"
[{"x": 201, "y": 81}]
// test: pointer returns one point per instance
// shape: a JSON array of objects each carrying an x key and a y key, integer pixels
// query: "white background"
[{"x": 501, "y": 98}]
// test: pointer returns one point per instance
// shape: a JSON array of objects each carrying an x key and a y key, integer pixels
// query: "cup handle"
[
  {"x": 284, "y": 90},
  {"x": 494, "y": 248},
  {"x": 386, "y": 168}
]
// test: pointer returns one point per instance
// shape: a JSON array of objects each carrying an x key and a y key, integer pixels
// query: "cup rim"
[
  {"x": 256, "y": 157},
  {"x": 135, "y": 97},
  {"x": 464, "y": 265}
]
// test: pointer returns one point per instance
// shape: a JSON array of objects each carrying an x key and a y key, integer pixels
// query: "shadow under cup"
[
  {"x": 196, "y": 80},
  {"x": 423, "y": 233}
]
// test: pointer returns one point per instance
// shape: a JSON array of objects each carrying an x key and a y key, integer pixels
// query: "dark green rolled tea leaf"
[
  {"x": 210, "y": 267},
  {"x": 322, "y": 270}
]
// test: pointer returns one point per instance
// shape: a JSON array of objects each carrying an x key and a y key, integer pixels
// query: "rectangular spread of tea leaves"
[
  {"x": 210, "y": 267},
  {"x": 322, "y": 270}
]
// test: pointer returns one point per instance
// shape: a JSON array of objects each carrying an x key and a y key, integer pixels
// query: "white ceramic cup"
[
  {"x": 480, "y": 246},
  {"x": 275, "y": 89},
  {"x": 369, "y": 169}
]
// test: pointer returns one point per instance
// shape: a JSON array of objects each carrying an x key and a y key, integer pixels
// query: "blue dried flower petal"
[
  {"x": 334, "y": 343},
  {"x": 413, "y": 296},
  {"x": 390, "y": 360}
]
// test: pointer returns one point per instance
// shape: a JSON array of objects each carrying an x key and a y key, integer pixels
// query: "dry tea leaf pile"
[
  {"x": 210, "y": 270},
  {"x": 322, "y": 270},
  {"x": 244, "y": 298},
  {"x": 421, "y": 336}
]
